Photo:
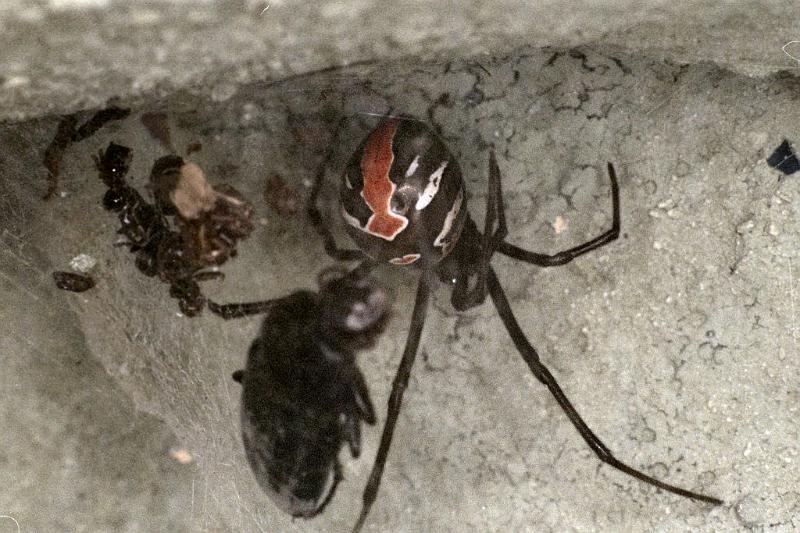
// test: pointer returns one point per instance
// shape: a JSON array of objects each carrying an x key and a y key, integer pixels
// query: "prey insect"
[
  {"x": 303, "y": 395},
  {"x": 209, "y": 222},
  {"x": 402, "y": 196}
]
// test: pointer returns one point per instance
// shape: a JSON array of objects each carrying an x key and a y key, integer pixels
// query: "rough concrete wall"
[
  {"x": 60, "y": 56},
  {"x": 677, "y": 342}
]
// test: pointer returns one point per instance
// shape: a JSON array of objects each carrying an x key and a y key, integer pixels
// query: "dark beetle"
[{"x": 303, "y": 395}]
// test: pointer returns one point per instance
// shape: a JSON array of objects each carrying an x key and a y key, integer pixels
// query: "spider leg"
[
  {"x": 565, "y": 256},
  {"x": 528, "y": 353},
  {"x": 462, "y": 297},
  {"x": 239, "y": 310},
  {"x": 313, "y": 212},
  {"x": 396, "y": 397}
]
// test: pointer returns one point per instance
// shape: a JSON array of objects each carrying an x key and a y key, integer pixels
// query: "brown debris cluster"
[{"x": 211, "y": 220}]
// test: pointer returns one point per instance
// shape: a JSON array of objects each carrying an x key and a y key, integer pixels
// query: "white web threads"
[{"x": 785, "y": 50}]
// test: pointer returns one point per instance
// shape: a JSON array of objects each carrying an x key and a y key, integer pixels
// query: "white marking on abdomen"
[
  {"x": 449, "y": 219},
  {"x": 347, "y": 181},
  {"x": 431, "y": 188},
  {"x": 412, "y": 167},
  {"x": 350, "y": 219},
  {"x": 405, "y": 260}
]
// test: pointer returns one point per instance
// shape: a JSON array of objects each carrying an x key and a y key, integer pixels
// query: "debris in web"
[
  {"x": 784, "y": 159},
  {"x": 191, "y": 228},
  {"x": 280, "y": 196},
  {"x": 68, "y": 133},
  {"x": 70, "y": 281}
]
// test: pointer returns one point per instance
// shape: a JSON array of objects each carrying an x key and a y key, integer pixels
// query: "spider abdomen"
[{"x": 402, "y": 194}]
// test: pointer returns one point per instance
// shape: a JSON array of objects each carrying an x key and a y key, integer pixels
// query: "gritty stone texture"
[
  {"x": 677, "y": 343},
  {"x": 75, "y": 454},
  {"x": 60, "y": 56}
]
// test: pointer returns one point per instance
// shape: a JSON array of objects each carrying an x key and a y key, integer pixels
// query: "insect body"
[
  {"x": 158, "y": 248},
  {"x": 303, "y": 395}
]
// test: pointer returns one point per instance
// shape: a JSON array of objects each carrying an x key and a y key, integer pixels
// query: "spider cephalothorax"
[{"x": 402, "y": 194}]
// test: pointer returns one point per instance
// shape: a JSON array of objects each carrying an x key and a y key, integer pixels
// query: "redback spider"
[{"x": 403, "y": 198}]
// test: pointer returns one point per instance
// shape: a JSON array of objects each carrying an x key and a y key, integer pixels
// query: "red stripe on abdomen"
[{"x": 378, "y": 188}]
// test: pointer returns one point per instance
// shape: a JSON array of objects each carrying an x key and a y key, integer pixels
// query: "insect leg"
[
  {"x": 98, "y": 120},
  {"x": 67, "y": 133},
  {"x": 239, "y": 310},
  {"x": 528, "y": 353},
  {"x": 206, "y": 275},
  {"x": 565, "y": 256},
  {"x": 396, "y": 397},
  {"x": 351, "y": 428},
  {"x": 55, "y": 153}
]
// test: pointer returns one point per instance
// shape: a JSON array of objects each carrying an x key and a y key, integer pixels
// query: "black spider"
[
  {"x": 303, "y": 395},
  {"x": 402, "y": 196}
]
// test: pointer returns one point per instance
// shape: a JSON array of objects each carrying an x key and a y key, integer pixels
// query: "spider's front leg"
[
  {"x": 396, "y": 396},
  {"x": 541, "y": 372},
  {"x": 313, "y": 212},
  {"x": 464, "y": 298},
  {"x": 565, "y": 256}
]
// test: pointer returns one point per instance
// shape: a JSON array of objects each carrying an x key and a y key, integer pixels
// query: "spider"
[
  {"x": 209, "y": 222},
  {"x": 402, "y": 197},
  {"x": 303, "y": 395}
]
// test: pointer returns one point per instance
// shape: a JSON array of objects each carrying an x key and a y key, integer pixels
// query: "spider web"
[{"x": 480, "y": 446}]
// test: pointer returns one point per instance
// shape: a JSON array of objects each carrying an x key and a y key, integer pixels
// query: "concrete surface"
[
  {"x": 58, "y": 56},
  {"x": 76, "y": 454},
  {"x": 678, "y": 343}
]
